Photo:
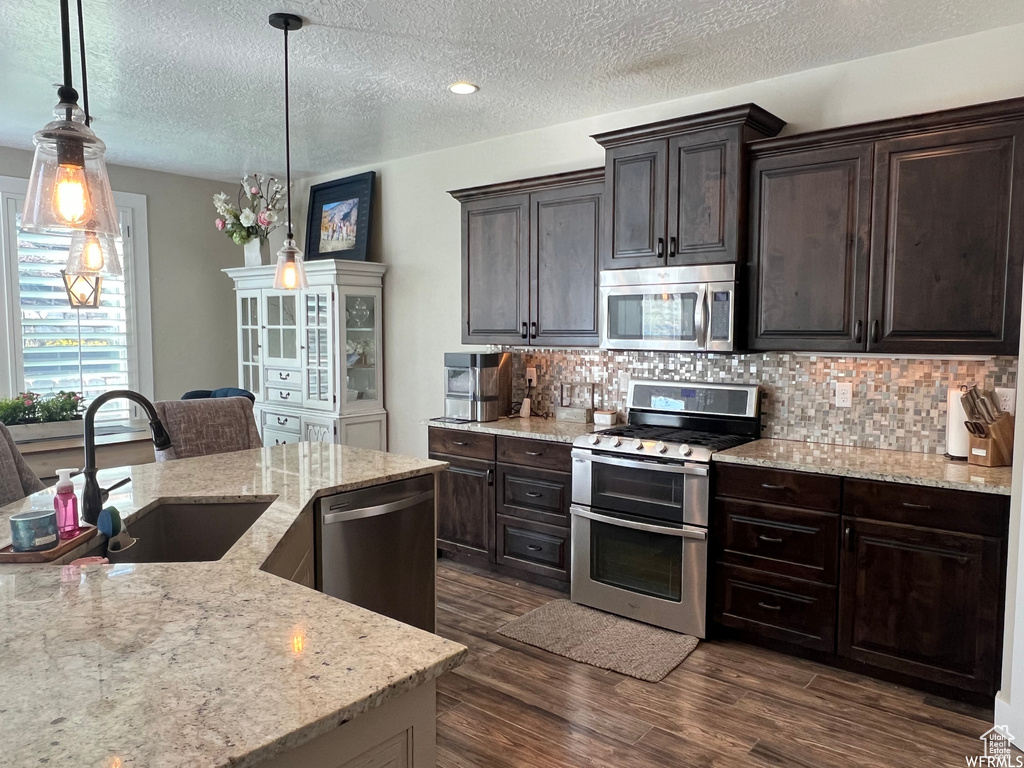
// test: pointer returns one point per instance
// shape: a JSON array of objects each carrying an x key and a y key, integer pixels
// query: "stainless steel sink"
[{"x": 187, "y": 533}]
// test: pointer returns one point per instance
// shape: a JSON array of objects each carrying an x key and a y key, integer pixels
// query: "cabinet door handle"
[
  {"x": 661, "y": 247},
  {"x": 534, "y": 494},
  {"x": 769, "y": 607},
  {"x": 771, "y": 487},
  {"x": 523, "y": 332},
  {"x": 912, "y": 505},
  {"x": 534, "y": 453},
  {"x": 874, "y": 331},
  {"x": 533, "y": 547},
  {"x": 671, "y": 247},
  {"x": 533, "y": 329},
  {"x": 770, "y": 539},
  {"x": 490, "y": 477},
  {"x": 858, "y": 331},
  {"x": 847, "y": 539}
]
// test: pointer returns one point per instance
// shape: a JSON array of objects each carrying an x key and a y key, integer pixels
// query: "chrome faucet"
[{"x": 93, "y": 496}]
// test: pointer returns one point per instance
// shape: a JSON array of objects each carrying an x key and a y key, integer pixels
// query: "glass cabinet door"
[
  {"x": 282, "y": 328},
  {"x": 362, "y": 363},
  {"x": 250, "y": 372},
  {"x": 318, "y": 385}
]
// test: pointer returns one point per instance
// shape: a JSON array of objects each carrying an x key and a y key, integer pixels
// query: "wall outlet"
[
  {"x": 1007, "y": 398},
  {"x": 844, "y": 394},
  {"x": 624, "y": 381},
  {"x": 531, "y": 377}
]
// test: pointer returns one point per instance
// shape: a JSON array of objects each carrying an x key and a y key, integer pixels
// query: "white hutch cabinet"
[{"x": 314, "y": 358}]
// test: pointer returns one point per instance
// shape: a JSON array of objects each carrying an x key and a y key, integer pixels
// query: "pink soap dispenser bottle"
[{"x": 66, "y": 504}]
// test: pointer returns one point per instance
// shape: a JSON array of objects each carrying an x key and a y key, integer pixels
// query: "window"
[{"x": 48, "y": 345}]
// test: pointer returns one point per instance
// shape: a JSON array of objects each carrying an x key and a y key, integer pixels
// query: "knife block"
[{"x": 996, "y": 450}]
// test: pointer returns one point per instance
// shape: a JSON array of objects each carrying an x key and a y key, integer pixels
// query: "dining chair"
[
  {"x": 207, "y": 426},
  {"x": 17, "y": 480}
]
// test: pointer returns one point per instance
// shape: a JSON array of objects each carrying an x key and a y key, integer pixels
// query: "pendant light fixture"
[
  {"x": 83, "y": 290},
  {"x": 93, "y": 253},
  {"x": 68, "y": 188},
  {"x": 290, "y": 274}
]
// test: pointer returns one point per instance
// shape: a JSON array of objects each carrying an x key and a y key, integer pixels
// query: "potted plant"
[{"x": 31, "y": 416}]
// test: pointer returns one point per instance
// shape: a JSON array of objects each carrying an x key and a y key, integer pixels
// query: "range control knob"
[
  {"x": 638, "y": 444},
  {"x": 616, "y": 442},
  {"x": 685, "y": 450},
  {"x": 594, "y": 439},
  {"x": 660, "y": 447}
]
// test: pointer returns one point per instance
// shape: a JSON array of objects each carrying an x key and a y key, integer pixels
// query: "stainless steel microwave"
[{"x": 672, "y": 309}]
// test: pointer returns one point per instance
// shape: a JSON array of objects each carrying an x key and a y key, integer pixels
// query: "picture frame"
[{"x": 339, "y": 218}]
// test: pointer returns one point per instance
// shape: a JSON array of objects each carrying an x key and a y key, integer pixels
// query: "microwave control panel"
[{"x": 721, "y": 315}]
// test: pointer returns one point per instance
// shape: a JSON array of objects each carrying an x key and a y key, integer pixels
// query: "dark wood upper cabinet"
[
  {"x": 676, "y": 189},
  {"x": 530, "y": 251},
  {"x": 809, "y": 244},
  {"x": 947, "y": 243},
  {"x": 495, "y": 270},
  {"x": 904, "y": 236}
]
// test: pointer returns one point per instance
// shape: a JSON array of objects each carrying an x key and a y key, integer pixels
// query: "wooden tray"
[{"x": 8, "y": 555}]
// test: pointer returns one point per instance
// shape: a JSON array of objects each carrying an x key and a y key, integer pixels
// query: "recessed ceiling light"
[{"x": 463, "y": 88}]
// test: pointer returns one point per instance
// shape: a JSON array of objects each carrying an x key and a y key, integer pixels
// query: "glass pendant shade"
[
  {"x": 83, "y": 290},
  {"x": 91, "y": 253},
  {"x": 68, "y": 188},
  {"x": 291, "y": 273}
]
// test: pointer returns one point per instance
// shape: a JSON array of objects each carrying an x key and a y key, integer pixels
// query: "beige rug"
[{"x": 602, "y": 640}]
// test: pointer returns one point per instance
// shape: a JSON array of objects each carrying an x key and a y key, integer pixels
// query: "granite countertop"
[
  {"x": 201, "y": 664},
  {"x": 534, "y": 427},
  {"x": 871, "y": 464}
]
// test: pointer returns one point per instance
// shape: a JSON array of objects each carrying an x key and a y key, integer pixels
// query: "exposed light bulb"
[
  {"x": 92, "y": 255},
  {"x": 289, "y": 276},
  {"x": 70, "y": 195},
  {"x": 83, "y": 297}
]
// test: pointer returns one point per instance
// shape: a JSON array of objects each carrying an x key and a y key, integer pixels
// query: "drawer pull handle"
[
  {"x": 533, "y": 547},
  {"x": 769, "y": 607},
  {"x": 459, "y": 442},
  {"x": 281, "y": 421},
  {"x": 911, "y": 505},
  {"x": 534, "y": 453},
  {"x": 771, "y": 487},
  {"x": 283, "y": 376},
  {"x": 534, "y": 494},
  {"x": 770, "y": 539},
  {"x": 284, "y": 395}
]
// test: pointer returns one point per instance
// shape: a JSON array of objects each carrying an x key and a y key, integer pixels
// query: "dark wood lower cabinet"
[
  {"x": 465, "y": 523},
  {"x": 922, "y": 602}
]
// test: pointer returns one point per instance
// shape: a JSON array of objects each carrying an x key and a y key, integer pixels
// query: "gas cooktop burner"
[{"x": 711, "y": 440}]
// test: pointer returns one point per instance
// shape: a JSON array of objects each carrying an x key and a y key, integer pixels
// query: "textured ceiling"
[{"x": 195, "y": 86}]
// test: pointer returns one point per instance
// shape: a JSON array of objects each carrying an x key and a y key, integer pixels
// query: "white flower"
[
  {"x": 270, "y": 215},
  {"x": 220, "y": 202},
  {"x": 229, "y": 219},
  {"x": 247, "y": 218}
]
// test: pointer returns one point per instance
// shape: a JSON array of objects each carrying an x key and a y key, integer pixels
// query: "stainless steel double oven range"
[{"x": 640, "y": 497}]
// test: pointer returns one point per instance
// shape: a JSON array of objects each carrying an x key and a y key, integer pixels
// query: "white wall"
[
  {"x": 418, "y": 231},
  {"x": 194, "y": 339}
]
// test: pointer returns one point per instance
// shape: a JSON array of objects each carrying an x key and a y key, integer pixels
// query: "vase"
[{"x": 257, "y": 253}]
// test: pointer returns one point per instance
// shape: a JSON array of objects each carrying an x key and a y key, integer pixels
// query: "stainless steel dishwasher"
[{"x": 376, "y": 549}]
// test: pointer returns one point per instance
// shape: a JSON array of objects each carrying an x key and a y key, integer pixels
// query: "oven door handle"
[
  {"x": 686, "y": 532},
  {"x": 677, "y": 469}
]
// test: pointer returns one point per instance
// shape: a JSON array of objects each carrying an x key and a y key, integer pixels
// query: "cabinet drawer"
[
  {"x": 535, "y": 453},
  {"x": 983, "y": 514},
  {"x": 281, "y": 422},
  {"x": 777, "y": 607},
  {"x": 276, "y": 437},
  {"x": 778, "y": 486},
  {"x": 283, "y": 378},
  {"x": 535, "y": 493},
  {"x": 279, "y": 395},
  {"x": 457, "y": 442},
  {"x": 531, "y": 546},
  {"x": 783, "y": 540}
]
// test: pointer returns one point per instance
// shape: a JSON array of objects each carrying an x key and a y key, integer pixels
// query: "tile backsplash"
[{"x": 897, "y": 403}]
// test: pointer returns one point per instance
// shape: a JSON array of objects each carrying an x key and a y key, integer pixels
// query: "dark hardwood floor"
[{"x": 728, "y": 704}]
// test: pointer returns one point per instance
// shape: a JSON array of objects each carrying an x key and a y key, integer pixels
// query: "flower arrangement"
[
  {"x": 255, "y": 214},
  {"x": 30, "y": 408}
]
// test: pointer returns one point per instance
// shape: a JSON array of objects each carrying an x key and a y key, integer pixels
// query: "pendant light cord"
[
  {"x": 81, "y": 49},
  {"x": 287, "y": 137},
  {"x": 65, "y": 92}
]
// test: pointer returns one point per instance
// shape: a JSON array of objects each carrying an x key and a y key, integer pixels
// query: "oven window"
[
  {"x": 652, "y": 317},
  {"x": 637, "y": 561},
  {"x": 648, "y": 493}
]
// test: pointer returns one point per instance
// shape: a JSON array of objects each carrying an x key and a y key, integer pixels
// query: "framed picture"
[{"x": 338, "y": 225}]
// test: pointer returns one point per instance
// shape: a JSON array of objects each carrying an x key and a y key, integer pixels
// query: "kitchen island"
[{"x": 216, "y": 663}]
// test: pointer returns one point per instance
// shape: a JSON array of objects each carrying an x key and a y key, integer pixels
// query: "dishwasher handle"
[{"x": 330, "y": 518}]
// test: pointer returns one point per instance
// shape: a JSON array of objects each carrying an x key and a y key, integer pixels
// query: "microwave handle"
[{"x": 700, "y": 317}]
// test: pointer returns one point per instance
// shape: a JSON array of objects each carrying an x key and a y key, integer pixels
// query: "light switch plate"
[
  {"x": 1007, "y": 398},
  {"x": 844, "y": 394}
]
